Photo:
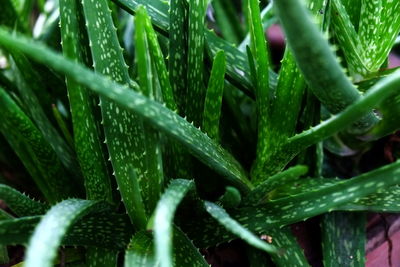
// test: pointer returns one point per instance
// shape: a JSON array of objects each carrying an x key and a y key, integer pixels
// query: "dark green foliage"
[{"x": 205, "y": 137}]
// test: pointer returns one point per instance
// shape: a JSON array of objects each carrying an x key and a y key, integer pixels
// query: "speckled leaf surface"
[
  {"x": 99, "y": 257},
  {"x": 219, "y": 214},
  {"x": 213, "y": 100},
  {"x": 383, "y": 201},
  {"x": 323, "y": 74},
  {"x": 163, "y": 221},
  {"x": 297, "y": 207},
  {"x": 154, "y": 179},
  {"x": 17, "y": 231},
  {"x": 42, "y": 157},
  {"x": 86, "y": 139},
  {"x": 25, "y": 77},
  {"x": 21, "y": 204},
  {"x": 107, "y": 230},
  {"x": 293, "y": 254},
  {"x": 237, "y": 65},
  {"x": 48, "y": 234},
  {"x": 160, "y": 117},
  {"x": 379, "y": 27},
  {"x": 348, "y": 37},
  {"x": 282, "y": 178},
  {"x": 123, "y": 131},
  {"x": 299, "y": 142},
  {"x": 141, "y": 251},
  {"x": 261, "y": 83},
  {"x": 178, "y": 51},
  {"x": 196, "y": 91},
  {"x": 339, "y": 245}
]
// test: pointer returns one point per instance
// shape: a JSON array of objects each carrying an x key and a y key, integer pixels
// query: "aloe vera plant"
[{"x": 159, "y": 129}]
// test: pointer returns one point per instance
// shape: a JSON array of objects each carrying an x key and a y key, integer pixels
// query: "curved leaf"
[
  {"x": 323, "y": 73},
  {"x": 233, "y": 226},
  {"x": 164, "y": 214},
  {"x": 47, "y": 237}
]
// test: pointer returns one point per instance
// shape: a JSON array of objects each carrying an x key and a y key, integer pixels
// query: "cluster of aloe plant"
[{"x": 202, "y": 139}]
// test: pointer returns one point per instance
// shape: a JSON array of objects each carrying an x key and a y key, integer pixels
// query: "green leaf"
[
  {"x": 124, "y": 132},
  {"x": 287, "y": 104},
  {"x": 140, "y": 252},
  {"x": 340, "y": 247},
  {"x": 323, "y": 73},
  {"x": 383, "y": 201},
  {"x": 348, "y": 37},
  {"x": 17, "y": 231},
  {"x": 237, "y": 65},
  {"x": 282, "y": 178},
  {"x": 231, "y": 198},
  {"x": 294, "y": 208},
  {"x": 158, "y": 116},
  {"x": 154, "y": 179},
  {"x": 213, "y": 101},
  {"x": 158, "y": 61},
  {"x": 26, "y": 78},
  {"x": 21, "y": 204},
  {"x": 196, "y": 91},
  {"x": 353, "y": 8},
  {"x": 379, "y": 27},
  {"x": 164, "y": 214},
  {"x": 185, "y": 253},
  {"x": 158, "y": 10},
  {"x": 87, "y": 141},
  {"x": 233, "y": 226},
  {"x": 293, "y": 254},
  {"x": 8, "y": 14},
  {"x": 299, "y": 142},
  {"x": 227, "y": 20},
  {"x": 178, "y": 51},
  {"x": 263, "y": 98},
  {"x": 47, "y": 237},
  {"x": 267, "y": 19},
  {"x": 98, "y": 257},
  {"x": 140, "y": 218},
  {"x": 41, "y": 160},
  {"x": 107, "y": 230}
]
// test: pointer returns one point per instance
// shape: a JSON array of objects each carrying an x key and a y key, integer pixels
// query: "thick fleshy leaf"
[
  {"x": 196, "y": 91},
  {"x": 21, "y": 204},
  {"x": 47, "y": 237},
  {"x": 86, "y": 139},
  {"x": 294, "y": 208},
  {"x": 213, "y": 101},
  {"x": 157, "y": 115},
  {"x": 37, "y": 154},
  {"x": 339, "y": 245},
  {"x": 140, "y": 252},
  {"x": 103, "y": 230},
  {"x": 323, "y": 74},
  {"x": 163, "y": 220},
  {"x": 234, "y": 227}
]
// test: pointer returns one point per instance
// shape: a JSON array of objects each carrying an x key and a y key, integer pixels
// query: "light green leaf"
[
  {"x": 164, "y": 214},
  {"x": 323, "y": 73},
  {"x": 47, "y": 237},
  {"x": 233, "y": 226}
]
